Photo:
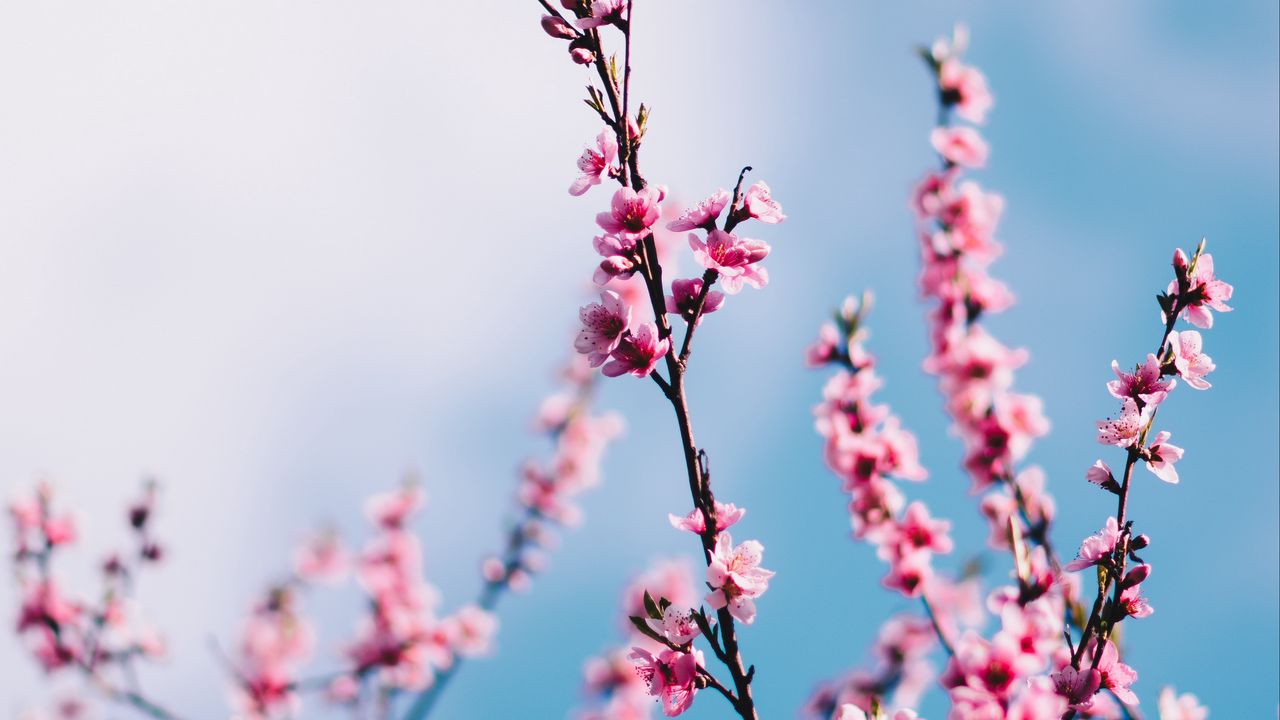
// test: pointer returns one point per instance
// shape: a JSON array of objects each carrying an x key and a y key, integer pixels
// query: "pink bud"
[
  {"x": 1135, "y": 576},
  {"x": 558, "y": 28},
  {"x": 581, "y": 52}
]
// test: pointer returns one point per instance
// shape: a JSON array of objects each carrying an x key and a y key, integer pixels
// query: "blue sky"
[{"x": 278, "y": 254}]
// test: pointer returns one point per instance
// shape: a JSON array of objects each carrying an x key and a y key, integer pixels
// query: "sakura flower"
[
  {"x": 619, "y": 258},
  {"x": 632, "y": 213},
  {"x": 1097, "y": 547},
  {"x": 1143, "y": 384},
  {"x": 908, "y": 573},
  {"x": 471, "y": 630},
  {"x": 1038, "y": 701},
  {"x": 918, "y": 531},
  {"x": 670, "y": 675},
  {"x": 676, "y": 625},
  {"x": 1180, "y": 707},
  {"x": 603, "y": 325},
  {"x": 321, "y": 558},
  {"x": 1077, "y": 686},
  {"x": 1204, "y": 293},
  {"x": 638, "y": 352},
  {"x": 1134, "y": 603},
  {"x": 703, "y": 215},
  {"x": 760, "y": 205},
  {"x": 558, "y": 28},
  {"x": 1125, "y": 429},
  {"x": 1192, "y": 364},
  {"x": 604, "y": 12},
  {"x": 1161, "y": 457},
  {"x": 965, "y": 88},
  {"x": 736, "y": 578},
  {"x": 390, "y": 510},
  {"x": 727, "y": 515},
  {"x": 1099, "y": 473},
  {"x": 1115, "y": 675},
  {"x": 960, "y": 146},
  {"x": 733, "y": 257},
  {"x": 825, "y": 349},
  {"x": 684, "y": 298},
  {"x": 596, "y": 164}
]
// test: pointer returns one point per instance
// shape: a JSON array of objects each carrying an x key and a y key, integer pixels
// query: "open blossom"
[
  {"x": 321, "y": 558},
  {"x": 960, "y": 146},
  {"x": 471, "y": 630},
  {"x": 1205, "y": 292},
  {"x": 965, "y": 88},
  {"x": 1126, "y": 428},
  {"x": 603, "y": 325},
  {"x": 676, "y": 625},
  {"x": 1143, "y": 384},
  {"x": 1189, "y": 360},
  {"x": 733, "y": 257},
  {"x": 684, "y": 296},
  {"x": 390, "y": 510},
  {"x": 632, "y": 213},
  {"x": 1077, "y": 687},
  {"x": 703, "y": 215},
  {"x": 603, "y": 12},
  {"x": 1173, "y": 706},
  {"x": 736, "y": 578},
  {"x": 727, "y": 515},
  {"x": 637, "y": 352},
  {"x": 918, "y": 531},
  {"x": 1097, "y": 547},
  {"x": 670, "y": 675},
  {"x": 595, "y": 164},
  {"x": 759, "y": 204},
  {"x": 619, "y": 258},
  {"x": 1162, "y": 455},
  {"x": 1116, "y": 676}
]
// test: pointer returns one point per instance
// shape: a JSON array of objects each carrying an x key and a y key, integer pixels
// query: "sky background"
[{"x": 278, "y": 253}]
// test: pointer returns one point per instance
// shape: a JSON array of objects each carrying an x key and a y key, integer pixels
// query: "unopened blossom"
[
  {"x": 603, "y": 12},
  {"x": 619, "y": 255},
  {"x": 557, "y": 27},
  {"x": 603, "y": 324},
  {"x": 1143, "y": 384},
  {"x": 632, "y": 213},
  {"x": 1126, "y": 428},
  {"x": 1205, "y": 292},
  {"x": 733, "y": 257},
  {"x": 1189, "y": 359},
  {"x": 637, "y": 352},
  {"x": 1161, "y": 455},
  {"x": 727, "y": 515},
  {"x": 965, "y": 88},
  {"x": 581, "y": 50},
  {"x": 1099, "y": 473},
  {"x": 736, "y": 578},
  {"x": 595, "y": 164},
  {"x": 1097, "y": 548},
  {"x": 703, "y": 215},
  {"x": 670, "y": 675},
  {"x": 759, "y": 204},
  {"x": 1186, "y": 706},
  {"x": 684, "y": 297},
  {"x": 960, "y": 146}
]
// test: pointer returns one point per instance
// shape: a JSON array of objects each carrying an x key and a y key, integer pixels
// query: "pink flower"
[
  {"x": 1038, "y": 701},
  {"x": 965, "y": 88},
  {"x": 1099, "y": 473},
  {"x": 322, "y": 558},
  {"x": 736, "y": 578},
  {"x": 684, "y": 295},
  {"x": 603, "y": 325},
  {"x": 825, "y": 349},
  {"x": 1205, "y": 291},
  {"x": 619, "y": 258},
  {"x": 471, "y": 630},
  {"x": 1077, "y": 686},
  {"x": 632, "y": 213},
  {"x": 595, "y": 165},
  {"x": 604, "y": 12},
  {"x": 727, "y": 515},
  {"x": 1161, "y": 456},
  {"x": 1192, "y": 365},
  {"x": 1097, "y": 548},
  {"x": 558, "y": 28},
  {"x": 676, "y": 625},
  {"x": 760, "y": 204},
  {"x": 390, "y": 510},
  {"x": 908, "y": 573},
  {"x": 960, "y": 146},
  {"x": 637, "y": 352},
  {"x": 1143, "y": 384},
  {"x": 733, "y": 257},
  {"x": 918, "y": 531},
  {"x": 670, "y": 675},
  {"x": 1116, "y": 676},
  {"x": 1180, "y": 707},
  {"x": 703, "y": 215},
  {"x": 1125, "y": 429}
]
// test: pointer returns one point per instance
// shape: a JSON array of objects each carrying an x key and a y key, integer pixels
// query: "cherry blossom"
[
  {"x": 637, "y": 352},
  {"x": 603, "y": 325},
  {"x": 632, "y": 213},
  {"x": 1161, "y": 455},
  {"x": 733, "y": 257},
  {"x": 595, "y": 165},
  {"x": 960, "y": 146},
  {"x": 1097, "y": 548},
  {"x": 1189, "y": 360},
  {"x": 702, "y": 215},
  {"x": 736, "y": 578}
]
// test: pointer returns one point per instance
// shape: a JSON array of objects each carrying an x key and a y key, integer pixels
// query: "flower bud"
[
  {"x": 1135, "y": 576},
  {"x": 558, "y": 28},
  {"x": 1139, "y": 542},
  {"x": 580, "y": 50}
]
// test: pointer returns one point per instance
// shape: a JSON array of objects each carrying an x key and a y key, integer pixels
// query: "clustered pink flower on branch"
[
  {"x": 100, "y": 640},
  {"x": 619, "y": 339}
]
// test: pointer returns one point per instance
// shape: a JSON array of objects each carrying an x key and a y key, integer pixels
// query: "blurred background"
[{"x": 279, "y": 253}]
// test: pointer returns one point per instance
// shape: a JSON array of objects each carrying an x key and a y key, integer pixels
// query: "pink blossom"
[
  {"x": 603, "y": 325},
  {"x": 908, "y": 573},
  {"x": 918, "y": 531},
  {"x": 1038, "y": 701},
  {"x": 1192, "y": 364},
  {"x": 471, "y": 630},
  {"x": 965, "y": 88},
  {"x": 321, "y": 558},
  {"x": 703, "y": 215},
  {"x": 733, "y": 257},
  {"x": 760, "y": 205},
  {"x": 1204, "y": 293},
  {"x": 632, "y": 213},
  {"x": 1116, "y": 676},
  {"x": 1077, "y": 687},
  {"x": 604, "y": 12},
  {"x": 637, "y": 352},
  {"x": 676, "y": 625},
  {"x": 1161, "y": 456},
  {"x": 619, "y": 258},
  {"x": 671, "y": 675},
  {"x": 1143, "y": 384},
  {"x": 1125, "y": 429},
  {"x": 960, "y": 146},
  {"x": 1097, "y": 548},
  {"x": 736, "y": 578},
  {"x": 825, "y": 349},
  {"x": 558, "y": 28},
  {"x": 727, "y": 515},
  {"x": 390, "y": 510},
  {"x": 1100, "y": 474},
  {"x": 1180, "y": 707},
  {"x": 684, "y": 296},
  {"x": 595, "y": 165}
]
